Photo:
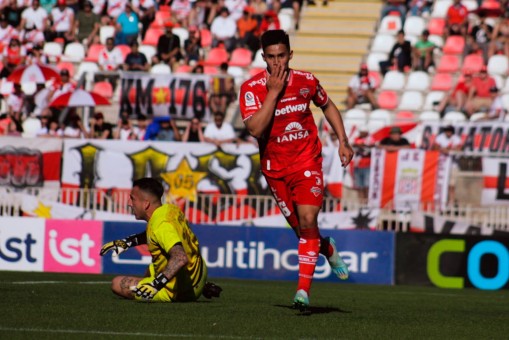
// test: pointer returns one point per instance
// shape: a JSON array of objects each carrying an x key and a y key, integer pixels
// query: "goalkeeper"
[{"x": 177, "y": 272}]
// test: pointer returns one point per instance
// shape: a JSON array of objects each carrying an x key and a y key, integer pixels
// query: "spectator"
[
  {"x": 34, "y": 17},
  {"x": 74, "y": 128},
  {"x": 33, "y": 38},
  {"x": 46, "y": 4},
  {"x": 362, "y": 162},
  {"x": 146, "y": 11},
  {"x": 14, "y": 127},
  {"x": 65, "y": 85},
  {"x": 497, "y": 111},
  {"x": 223, "y": 90},
  {"x": 87, "y": 25},
  {"x": 127, "y": 26},
  {"x": 456, "y": 19},
  {"x": 394, "y": 6},
  {"x": 125, "y": 130},
  {"x": 481, "y": 34},
  {"x": 180, "y": 10},
  {"x": 14, "y": 55},
  {"x": 115, "y": 8},
  {"x": 49, "y": 125},
  {"x": 295, "y": 5},
  {"x": 400, "y": 57},
  {"x": 423, "y": 53},
  {"x": 98, "y": 7},
  {"x": 420, "y": 7},
  {"x": 219, "y": 131},
  {"x": 16, "y": 102},
  {"x": 479, "y": 97},
  {"x": 168, "y": 48},
  {"x": 99, "y": 129},
  {"x": 193, "y": 132},
  {"x": 198, "y": 69},
  {"x": 235, "y": 7},
  {"x": 41, "y": 98},
  {"x": 456, "y": 100},
  {"x": 110, "y": 58},
  {"x": 141, "y": 127},
  {"x": 473, "y": 48},
  {"x": 135, "y": 60},
  {"x": 223, "y": 30},
  {"x": 192, "y": 46},
  {"x": 168, "y": 131},
  {"x": 7, "y": 32},
  {"x": 361, "y": 89},
  {"x": 62, "y": 18},
  {"x": 247, "y": 28},
  {"x": 259, "y": 8},
  {"x": 446, "y": 142},
  {"x": 500, "y": 38},
  {"x": 395, "y": 141},
  {"x": 13, "y": 14},
  {"x": 270, "y": 22}
]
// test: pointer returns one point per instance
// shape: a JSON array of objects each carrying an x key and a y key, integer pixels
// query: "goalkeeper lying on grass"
[{"x": 177, "y": 272}]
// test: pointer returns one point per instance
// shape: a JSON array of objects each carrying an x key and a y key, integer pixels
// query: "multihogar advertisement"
[
  {"x": 264, "y": 253},
  {"x": 452, "y": 261}
]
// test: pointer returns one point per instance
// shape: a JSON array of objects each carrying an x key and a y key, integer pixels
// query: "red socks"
[
  {"x": 309, "y": 247},
  {"x": 325, "y": 247}
]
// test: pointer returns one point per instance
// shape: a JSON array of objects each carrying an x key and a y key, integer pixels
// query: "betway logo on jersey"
[
  {"x": 291, "y": 109},
  {"x": 293, "y": 131}
]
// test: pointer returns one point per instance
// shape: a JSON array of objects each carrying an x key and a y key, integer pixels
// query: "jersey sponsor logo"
[
  {"x": 320, "y": 92},
  {"x": 261, "y": 81},
  {"x": 308, "y": 75},
  {"x": 284, "y": 100},
  {"x": 304, "y": 92},
  {"x": 291, "y": 109},
  {"x": 249, "y": 98},
  {"x": 293, "y": 131}
]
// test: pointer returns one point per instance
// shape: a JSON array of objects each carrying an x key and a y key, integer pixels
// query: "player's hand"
[
  {"x": 147, "y": 291},
  {"x": 277, "y": 79},
  {"x": 345, "y": 153},
  {"x": 117, "y": 246}
]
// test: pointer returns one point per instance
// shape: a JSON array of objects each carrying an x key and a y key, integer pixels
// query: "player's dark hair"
[
  {"x": 150, "y": 186},
  {"x": 274, "y": 37}
]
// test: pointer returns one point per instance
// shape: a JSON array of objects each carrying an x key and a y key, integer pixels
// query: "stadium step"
[
  {"x": 330, "y": 45},
  {"x": 336, "y": 27},
  {"x": 326, "y": 63},
  {"x": 350, "y": 10}
]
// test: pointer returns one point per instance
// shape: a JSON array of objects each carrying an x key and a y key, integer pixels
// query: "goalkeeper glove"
[
  {"x": 119, "y": 246},
  {"x": 147, "y": 291}
]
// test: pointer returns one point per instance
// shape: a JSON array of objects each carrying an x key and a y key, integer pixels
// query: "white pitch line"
[
  {"x": 75, "y": 331},
  {"x": 56, "y": 282}
]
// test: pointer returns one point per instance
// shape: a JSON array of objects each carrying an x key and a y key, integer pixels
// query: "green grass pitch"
[{"x": 68, "y": 306}]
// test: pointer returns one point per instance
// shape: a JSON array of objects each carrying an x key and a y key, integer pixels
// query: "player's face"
[
  {"x": 277, "y": 55},
  {"x": 138, "y": 203}
]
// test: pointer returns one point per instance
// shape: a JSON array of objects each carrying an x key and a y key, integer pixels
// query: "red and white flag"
[{"x": 407, "y": 178}]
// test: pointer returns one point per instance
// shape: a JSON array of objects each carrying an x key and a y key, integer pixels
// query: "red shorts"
[{"x": 304, "y": 187}]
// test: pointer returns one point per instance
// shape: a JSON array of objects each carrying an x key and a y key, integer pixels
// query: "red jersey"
[
  {"x": 291, "y": 141},
  {"x": 457, "y": 14},
  {"x": 482, "y": 87}
]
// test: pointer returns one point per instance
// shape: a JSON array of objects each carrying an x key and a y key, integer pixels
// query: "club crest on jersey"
[
  {"x": 304, "y": 92},
  {"x": 316, "y": 191},
  {"x": 249, "y": 98}
]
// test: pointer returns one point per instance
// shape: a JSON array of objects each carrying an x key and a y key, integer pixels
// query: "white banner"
[
  {"x": 495, "y": 182},
  {"x": 421, "y": 222}
]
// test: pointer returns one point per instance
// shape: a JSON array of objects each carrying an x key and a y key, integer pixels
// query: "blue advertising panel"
[{"x": 266, "y": 253}]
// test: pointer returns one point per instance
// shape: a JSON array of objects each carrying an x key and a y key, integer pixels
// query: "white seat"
[
  {"x": 412, "y": 39},
  {"x": 378, "y": 119},
  {"x": 498, "y": 64},
  {"x": 454, "y": 117},
  {"x": 432, "y": 97},
  {"x": 414, "y": 25},
  {"x": 182, "y": 33},
  {"x": 106, "y": 32},
  {"x": 393, "y": 80},
  {"x": 29, "y": 88},
  {"x": 440, "y": 8},
  {"x": 30, "y": 127},
  {"x": 390, "y": 24},
  {"x": 374, "y": 60},
  {"x": 411, "y": 100},
  {"x": 499, "y": 81},
  {"x": 74, "y": 52},
  {"x": 383, "y": 43},
  {"x": 237, "y": 73},
  {"x": 160, "y": 69},
  {"x": 477, "y": 116},
  {"x": 285, "y": 21},
  {"x": 355, "y": 117},
  {"x": 53, "y": 50},
  {"x": 258, "y": 61},
  {"x": 89, "y": 67},
  {"x": 148, "y": 50},
  {"x": 471, "y": 5},
  {"x": 437, "y": 40},
  {"x": 418, "y": 81},
  {"x": 429, "y": 116},
  {"x": 505, "y": 100},
  {"x": 505, "y": 88}
]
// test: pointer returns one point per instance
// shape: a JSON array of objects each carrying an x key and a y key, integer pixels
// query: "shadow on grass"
[{"x": 315, "y": 310}]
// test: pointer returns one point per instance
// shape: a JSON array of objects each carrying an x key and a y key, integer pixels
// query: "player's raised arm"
[
  {"x": 333, "y": 116},
  {"x": 119, "y": 246},
  {"x": 260, "y": 120}
]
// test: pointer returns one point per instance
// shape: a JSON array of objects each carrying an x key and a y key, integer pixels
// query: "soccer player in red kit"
[{"x": 275, "y": 107}]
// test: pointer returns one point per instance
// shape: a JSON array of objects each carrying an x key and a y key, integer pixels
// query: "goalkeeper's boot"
[
  {"x": 336, "y": 262},
  {"x": 301, "y": 300}
]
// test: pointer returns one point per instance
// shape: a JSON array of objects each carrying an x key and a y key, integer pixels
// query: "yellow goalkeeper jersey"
[{"x": 167, "y": 227}]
